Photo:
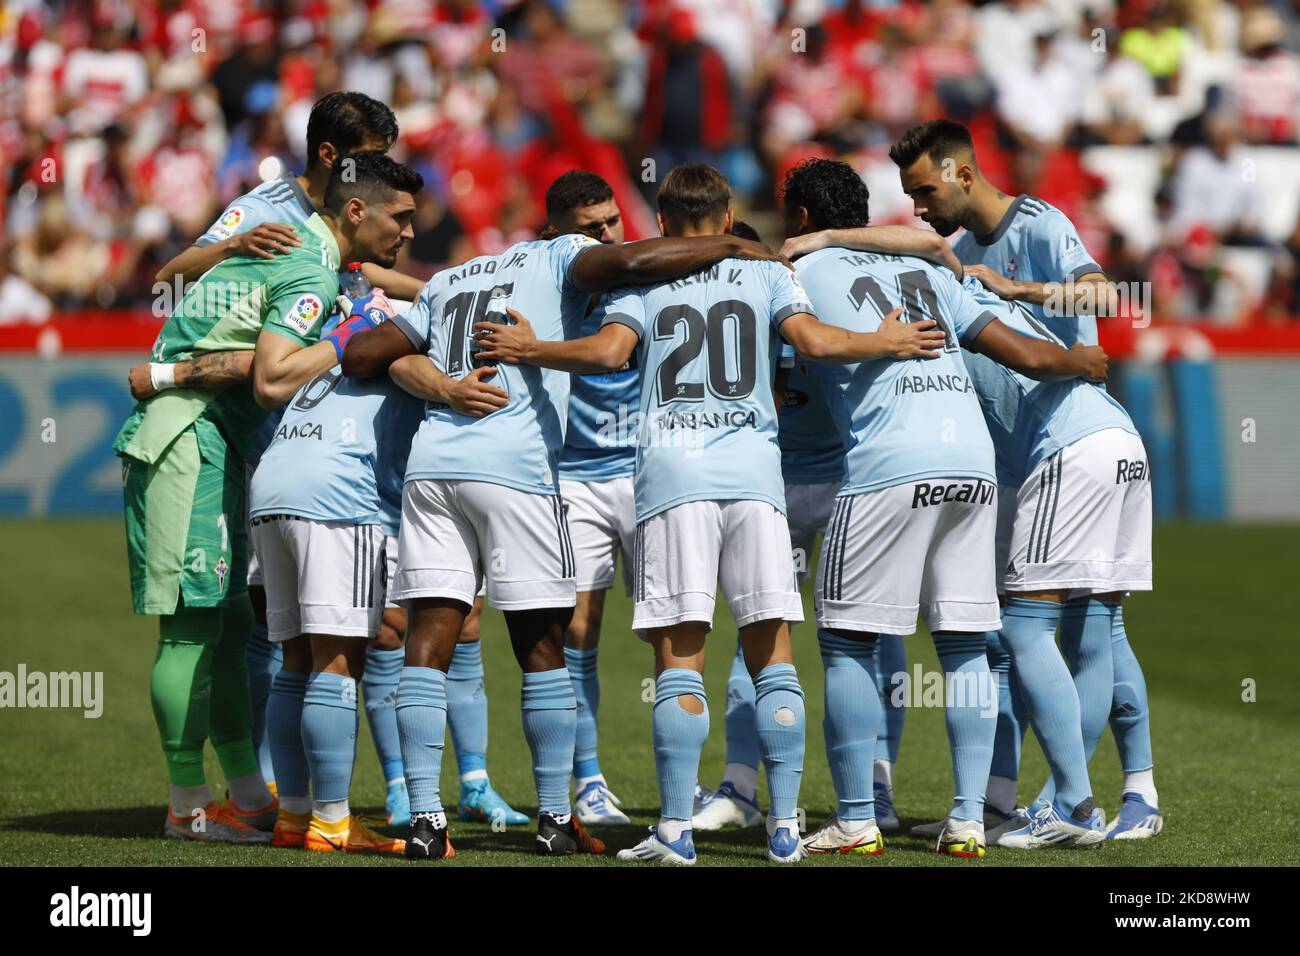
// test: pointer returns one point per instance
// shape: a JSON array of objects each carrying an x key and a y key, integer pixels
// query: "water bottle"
[
  {"x": 494, "y": 312},
  {"x": 355, "y": 285}
]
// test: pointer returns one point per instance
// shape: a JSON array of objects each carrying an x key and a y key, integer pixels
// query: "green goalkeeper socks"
[{"x": 199, "y": 689}]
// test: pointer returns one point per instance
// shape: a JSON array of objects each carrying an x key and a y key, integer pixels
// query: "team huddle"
[{"x": 695, "y": 408}]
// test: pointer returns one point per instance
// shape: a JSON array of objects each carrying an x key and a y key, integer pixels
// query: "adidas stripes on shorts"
[
  {"x": 921, "y": 547},
  {"x": 321, "y": 577},
  {"x": 458, "y": 535}
]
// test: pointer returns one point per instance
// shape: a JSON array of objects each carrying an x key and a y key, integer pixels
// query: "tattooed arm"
[{"x": 214, "y": 370}]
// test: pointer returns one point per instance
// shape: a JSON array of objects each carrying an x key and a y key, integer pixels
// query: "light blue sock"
[
  {"x": 679, "y": 737},
  {"x": 467, "y": 707},
  {"x": 891, "y": 659},
  {"x": 1086, "y": 626},
  {"x": 781, "y": 724},
  {"x": 550, "y": 714},
  {"x": 1130, "y": 715},
  {"x": 742, "y": 739},
  {"x": 852, "y": 720},
  {"x": 586, "y": 688},
  {"x": 264, "y": 661},
  {"x": 329, "y": 734},
  {"x": 1012, "y": 720},
  {"x": 379, "y": 684},
  {"x": 284, "y": 731},
  {"x": 1029, "y": 631},
  {"x": 970, "y": 714},
  {"x": 422, "y": 728}
]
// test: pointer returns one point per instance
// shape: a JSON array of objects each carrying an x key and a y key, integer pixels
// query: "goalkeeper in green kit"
[{"x": 243, "y": 339}]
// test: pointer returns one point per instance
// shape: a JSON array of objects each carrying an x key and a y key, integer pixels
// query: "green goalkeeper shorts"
[{"x": 185, "y": 526}]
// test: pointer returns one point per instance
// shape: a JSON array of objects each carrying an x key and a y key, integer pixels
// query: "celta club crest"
[{"x": 1011, "y": 267}]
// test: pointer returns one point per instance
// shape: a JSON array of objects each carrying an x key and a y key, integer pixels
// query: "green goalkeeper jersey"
[{"x": 225, "y": 311}]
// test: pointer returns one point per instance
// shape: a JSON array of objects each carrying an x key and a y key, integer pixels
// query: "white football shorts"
[
  {"x": 254, "y": 565},
  {"x": 808, "y": 511},
  {"x": 321, "y": 577},
  {"x": 457, "y": 536},
  {"x": 685, "y": 554},
  {"x": 1083, "y": 520},
  {"x": 602, "y": 525},
  {"x": 921, "y": 547}
]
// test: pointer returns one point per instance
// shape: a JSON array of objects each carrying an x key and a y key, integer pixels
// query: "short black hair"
[
  {"x": 692, "y": 193},
  {"x": 743, "y": 230},
  {"x": 347, "y": 120},
  {"x": 373, "y": 177},
  {"x": 939, "y": 139},
  {"x": 576, "y": 189},
  {"x": 832, "y": 192}
]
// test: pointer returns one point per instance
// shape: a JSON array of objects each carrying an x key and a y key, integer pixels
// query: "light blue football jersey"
[
  {"x": 707, "y": 355},
  {"x": 811, "y": 450},
  {"x": 339, "y": 452},
  {"x": 1029, "y": 420},
  {"x": 1035, "y": 242},
  {"x": 604, "y": 409},
  {"x": 279, "y": 200},
  {"x": 517, "y": 446},
  {"x": 900, "y": 420}
]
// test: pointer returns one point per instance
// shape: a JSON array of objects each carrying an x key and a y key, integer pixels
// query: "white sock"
[
  {"x": 1001, "y": 794},
  {"x": 854, "y": 827},
  {"x": 1142, "y": 782},
  {"x": 331, "y": 811},
  {"x": 249, "y": 791},
  {"x": 295, "y": 804},
  {"x": 185, "y": 800},
  {"x": 883, "y": 773},
  {"x": 791, "y": 824},
  {"x": 743, "y": 777},
  {"x": 473, "y": 775},
  {"x": 671, "y": 830}
]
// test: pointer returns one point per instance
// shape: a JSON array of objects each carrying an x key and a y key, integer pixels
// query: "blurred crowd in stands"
[{"x": 1166, "y": 130}]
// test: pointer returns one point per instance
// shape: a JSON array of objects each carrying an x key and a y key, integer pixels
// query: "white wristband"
[{"x": 162, "y": 375}]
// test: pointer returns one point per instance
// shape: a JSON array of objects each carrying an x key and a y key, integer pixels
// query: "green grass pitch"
[{"x": 92, "y": 792}]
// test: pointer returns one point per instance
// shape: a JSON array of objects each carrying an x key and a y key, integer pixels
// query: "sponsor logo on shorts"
[
  {"x": 304, "y": 313},
  {"x": 932, "y": 383},
  {"x": 221, "y": 569},
  {"x": 977, "y": 492},
  {"x": 1126, "y": 471}
]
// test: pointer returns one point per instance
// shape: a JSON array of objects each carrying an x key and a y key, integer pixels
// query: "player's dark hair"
[
  {"x": 576, "y": 189},
  {"x": 743, "y": 230},
  {"x": 939, "y": 139},
  {"x": 693, "y": 193},
  {"x": 832, "y": 192},
  {"x": 373, "y": 177},
  {"x": 348, "y": 120}
]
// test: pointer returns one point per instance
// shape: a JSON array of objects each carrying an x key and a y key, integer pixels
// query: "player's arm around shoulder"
[
  {"x": 819, "y": 342},
  {"x": 607, "y": 350},
  {"x": 213, "y": 370},
  {"x": 1037, "y": 358},
  {"x": 891, "y": 240},
  {"x": 288, "y": 354}
]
